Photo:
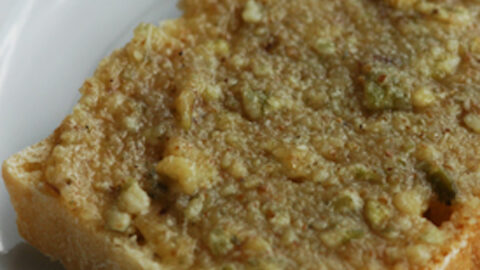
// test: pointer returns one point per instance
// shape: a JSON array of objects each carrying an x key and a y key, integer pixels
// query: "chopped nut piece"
[
  {"x": 343, "y": 204},
  {"x": 281, "y": 219},
  {"x": 410, "y": 202},
  {"x": 222, "y": 47},
  {"x": 289, "y": 236},
  {"x": 226, "y": 160},
  {"x": 117, "y": 220},
  {"x": 361, "y": 172},
  {"x": 194, "y": 208},
  {"x": 349, "y": 235},
  {"x": 325, "y": 47},
  {"x": 220, "y": 242},
  {"x": 262, "y": 69},
  {"x": 321, "y": 176},
  {"x": 138, "y": 55},
  {"x": 238, "y": 169},
  {"x": 455, "y": 15},
  {"x": 382, "y": 96},
  {"x": 275, "y": 103},
  {"x": 252, "y": 12},
  {"x": 212, "y": 93},
  {"x": 331, "y": 148},
  {"x": 184, "y": 107},
  {"x": 252, "y": 182},
  {"x": 295, "y": 160},
  {"x": 186, "y": 167},
  {"x": 234, "y": 140},
  {"x": 154, "y": 134},
  {"x": 183, "y": 172},
  {"x": 423, "y": 97},
  {"x": 257, "y": 245},
  {"x": 347, "y": 202},
  {"x": 252, "y": 102},
  {"x": 448, "y": 64},
  {"x": 168, "y": 244},
  {"x": 131, "y": 123},
  {"x": 376, "y": 214},
  {"x": 441, "y": 182},
  {"x": 473, "y": 122},
  {"x": 134, "y": 199},
  {"x": 336, "y": 237},
  {"x": 315, "y": 99},
  {"x": 238, "y": 61},
  {"x": 331, "y": 238},
  {"x": 427, "y": 152}
]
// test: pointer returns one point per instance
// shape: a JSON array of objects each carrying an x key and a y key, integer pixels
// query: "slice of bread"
[{"x": 269, "y": 134}]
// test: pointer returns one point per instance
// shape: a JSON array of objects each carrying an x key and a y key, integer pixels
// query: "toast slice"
[{"x": 269, "y": 135}]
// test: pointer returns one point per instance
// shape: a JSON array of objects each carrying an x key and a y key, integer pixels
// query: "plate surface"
[{"x": 47, "y": 49}]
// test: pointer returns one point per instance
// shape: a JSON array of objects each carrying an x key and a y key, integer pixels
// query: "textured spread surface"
[{"x": 282, "y": 134}]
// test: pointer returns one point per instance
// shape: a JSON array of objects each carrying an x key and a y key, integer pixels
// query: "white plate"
[{"x": 47, "y": 49}]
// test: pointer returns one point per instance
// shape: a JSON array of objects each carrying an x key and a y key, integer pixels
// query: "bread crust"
[
  {"x": 49, "y": 226},
  {"x": 468, "y": 254}
]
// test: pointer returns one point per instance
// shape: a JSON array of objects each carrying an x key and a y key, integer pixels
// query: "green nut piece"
[
  {"x": 383, "y": 96},
  {"x": 352, "y": 234},
  {"x": 220, "y": 242},
  {"x": 253, "y": 102},
  {"x": 442, "y": 184},
  {"x": 376, "y": 214},
  {"x": 365, "y": 174},
  {"x": 344, "y": 204}
]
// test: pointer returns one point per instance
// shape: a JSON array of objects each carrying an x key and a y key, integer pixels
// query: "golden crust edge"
[
  {"x": 466, "y": 253},
  {"x": 47, "y": 225},
  {"x": 78, "y": 246}
]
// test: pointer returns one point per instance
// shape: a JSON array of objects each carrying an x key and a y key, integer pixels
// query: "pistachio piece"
[
  {"x": 378, "y": 97},
  {"x": 443, "y": 185},
  {"x": 325, "y": 47},
  {"x": 441, "y": 182},
  {"x": 363, "y": 173},
  {"x": 220, "y": 242},
  {"x": 376, "y": 214},
  {"x": 252, "y": 102},
  {"x": 336, "y": 237},
  {"x": 382, "y": 93}
]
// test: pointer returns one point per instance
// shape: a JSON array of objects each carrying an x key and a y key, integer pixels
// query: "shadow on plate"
[{"x": 24, "y": 256}]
